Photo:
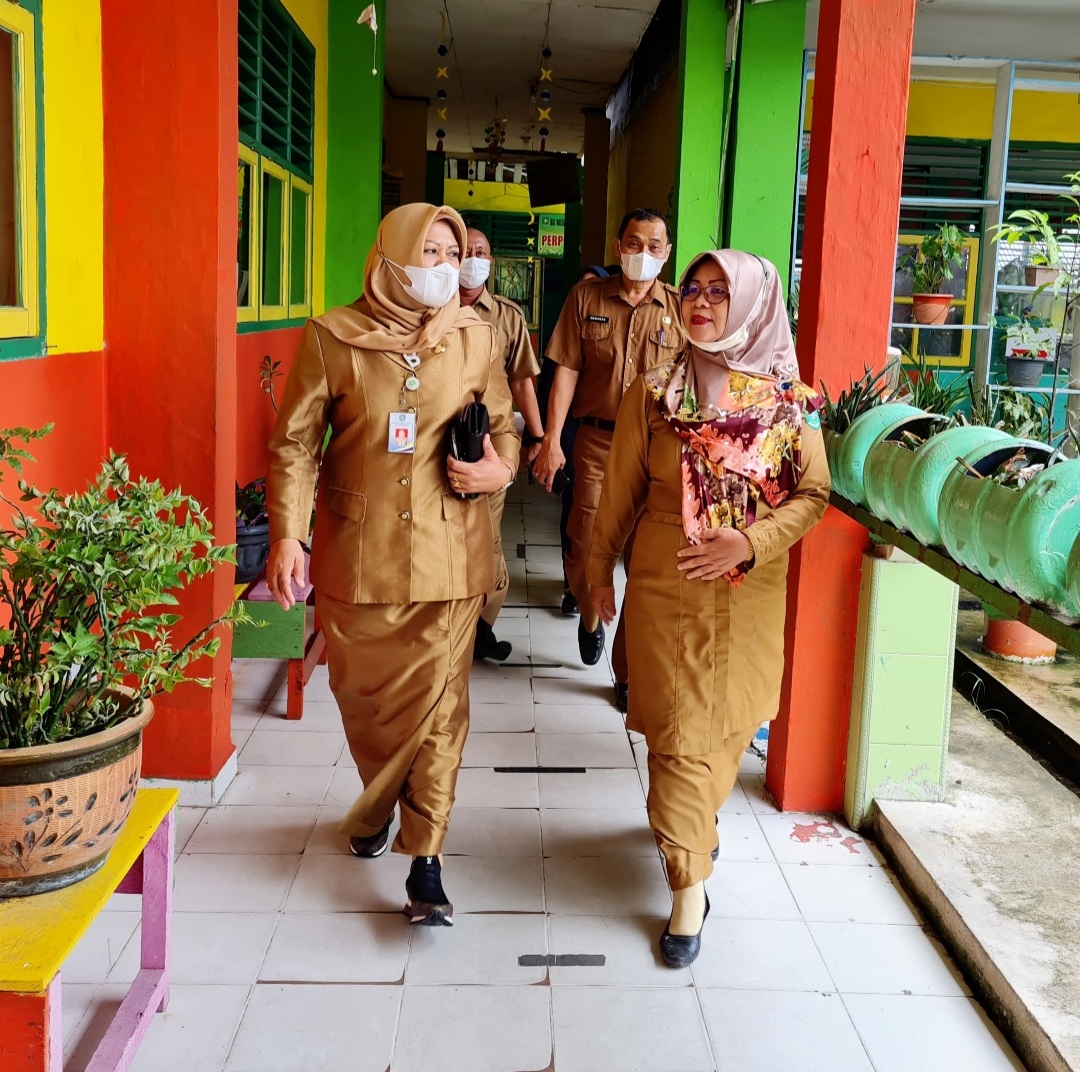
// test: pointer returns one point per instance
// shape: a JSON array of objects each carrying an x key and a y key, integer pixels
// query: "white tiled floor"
[{"x": 292, "y": 956}]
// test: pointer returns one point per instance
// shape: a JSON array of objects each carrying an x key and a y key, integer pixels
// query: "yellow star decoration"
[
  {"x": 545, "y": 113},
  {"x": 532, "y": 241},
  {"x": 545, "y": 74},
  {"x": 442, "y": 113},
  {"x": 441, "y": 73}
]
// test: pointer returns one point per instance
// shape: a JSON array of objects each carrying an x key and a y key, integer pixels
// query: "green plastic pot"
[
  {"x": 856, "y": 442},
  {"x": 1043, "y": 531},
  {"x": 930, "y": 467},
  {"x": 973, "y": 514},
  {"x": 888, "y": 464}
]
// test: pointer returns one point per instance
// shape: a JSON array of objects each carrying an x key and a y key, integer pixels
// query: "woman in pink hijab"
[{"x": 720, "y": 453}]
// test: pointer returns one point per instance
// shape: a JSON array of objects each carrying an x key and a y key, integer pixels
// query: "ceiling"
[{"x": 495, "y": 55}]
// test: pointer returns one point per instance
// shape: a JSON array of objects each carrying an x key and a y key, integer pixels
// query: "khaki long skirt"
[{"x": 400, "y": 675}]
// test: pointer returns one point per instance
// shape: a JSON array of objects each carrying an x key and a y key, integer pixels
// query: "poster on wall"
[{"x": 550, "y": 235}]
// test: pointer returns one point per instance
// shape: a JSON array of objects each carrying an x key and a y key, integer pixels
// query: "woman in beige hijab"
[
  {"x": 400, "y": 558},
  {"x": 720, "y": 452}
]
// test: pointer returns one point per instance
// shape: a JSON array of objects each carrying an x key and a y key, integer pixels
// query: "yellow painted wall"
[
  {"x": 311, "y": 17},
  {"x": 966, "y": 110},
  {"x": 641, "y": 168},
  {"x": 74, "y": 176},
  {"x": 491, "y": 197},
  {"x": 405, "y": 136}
]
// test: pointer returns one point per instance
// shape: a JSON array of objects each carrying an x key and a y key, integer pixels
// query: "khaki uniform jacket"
[
  {"x": 610, "y": 342},
  {"x": 389, "y": 528},
  {"x": 511, "y": 335}
]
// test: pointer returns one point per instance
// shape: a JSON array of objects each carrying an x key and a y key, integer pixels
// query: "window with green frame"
[
  {"x": 20, "y": 249},
  {"x": 275, "y": 165}
]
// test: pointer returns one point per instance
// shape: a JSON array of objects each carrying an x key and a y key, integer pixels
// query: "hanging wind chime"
[
  {"x": 369, "y": 18},
  {"x": 543, "y": 96},
  {"x": 442, "y": 72}
]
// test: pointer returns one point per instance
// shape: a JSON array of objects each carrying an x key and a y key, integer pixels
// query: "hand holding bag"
[{"x": 467, "y": 437}]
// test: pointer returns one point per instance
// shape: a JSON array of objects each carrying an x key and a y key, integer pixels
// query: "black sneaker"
[
  {"x": 622, "y": 695},
  {"x": 569, "y": 605},
  {"x": 427, "y": 905},
  {"x": 487, "y": 646},
  {"x": 590, "y": 645},
  {"x": 370, "y": 847}
]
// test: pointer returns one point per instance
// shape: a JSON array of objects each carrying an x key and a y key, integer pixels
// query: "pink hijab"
[{"x": 756, "y": 303}]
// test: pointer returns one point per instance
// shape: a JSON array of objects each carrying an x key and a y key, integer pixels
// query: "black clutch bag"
[{"x": 467, "y": 437}]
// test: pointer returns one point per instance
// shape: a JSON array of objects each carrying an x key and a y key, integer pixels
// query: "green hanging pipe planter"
[
  {"x": 865, "y": 431},
  {"x": 888, "y": 465}
]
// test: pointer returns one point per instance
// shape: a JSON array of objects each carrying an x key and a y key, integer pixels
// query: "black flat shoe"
[
  {"x": 622, "y": 695},
  {"x": 428, "y": 906},
  {"x": 487, "y": 646},
  {"x": 569, "y": 605},
  {"x": 590, "y": 645},
  {"x": 370, "y": 847},
  {"x": 681, "y": 950}
]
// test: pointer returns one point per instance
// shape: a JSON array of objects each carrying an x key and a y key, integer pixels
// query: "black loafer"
[
  {"x": 487, "y": 646},
  {"x": 569, "y": 605},
  {"x": 428, "y": 906},
  {"x": 622, "y": 695},
  {"x": 370, "y": 847},
  {"x": 681, "y": 950},
  {"x": 590, "y": 645}
]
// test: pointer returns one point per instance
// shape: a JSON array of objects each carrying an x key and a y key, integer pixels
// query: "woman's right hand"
[{"x": 284, "y": 568}]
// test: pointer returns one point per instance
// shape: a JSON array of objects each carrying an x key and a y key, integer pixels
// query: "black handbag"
[{"x": 467, "y": 437}]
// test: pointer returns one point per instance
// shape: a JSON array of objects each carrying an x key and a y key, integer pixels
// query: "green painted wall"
[
  {"x": 698, "y": 150},
  {"x": 765, "y": 140},
  {"x": 354, "y": 149}
]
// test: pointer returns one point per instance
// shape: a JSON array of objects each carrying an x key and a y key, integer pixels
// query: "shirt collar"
[
  {"x": 485, "y": 301},
  {"x": 612, "y": 288}
]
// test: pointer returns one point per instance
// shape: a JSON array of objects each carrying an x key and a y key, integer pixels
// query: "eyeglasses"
[{"x": 713, "y": 295}]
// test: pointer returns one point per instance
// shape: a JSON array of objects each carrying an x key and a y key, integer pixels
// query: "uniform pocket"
[
  {"x": 667, "y": 339},
  {"x": 596, "y": 338},
  {"x": 350, "y": 504}
]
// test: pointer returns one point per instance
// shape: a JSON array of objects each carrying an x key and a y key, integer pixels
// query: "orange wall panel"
[{"x": 254, "y": 413}]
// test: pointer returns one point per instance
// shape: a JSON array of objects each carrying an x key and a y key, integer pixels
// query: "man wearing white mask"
[
  {"x": 609, "y": 332},
  {"x": 519, "y": 361}
]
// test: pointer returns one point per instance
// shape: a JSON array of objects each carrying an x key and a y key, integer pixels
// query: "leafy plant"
[
  {"x": 931, "y": 262},
  {"x": 864, "y": 394},
  {"x": 269, "y": 371},
  {"x": 1021, "y": 414},
  {"x": 83, "y": 579},
  {"x": 251, "y": 503},
  {"x": 1029, "y": 225},
  {"x": 927, "y": 389}
]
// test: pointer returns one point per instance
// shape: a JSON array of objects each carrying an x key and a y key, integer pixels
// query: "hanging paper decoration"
[
  {"x": 369, "y": 18},
  {"x": 440, "y": 134},
  {"x": 543, "y": 132},
  {"x": 442, "y": 73},
  {"x": 544, "y": 107}
]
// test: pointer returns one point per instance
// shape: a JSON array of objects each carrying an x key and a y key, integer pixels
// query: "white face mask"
[
  {"x": 736, "y": 338},
  {"x": 475, "y": 272},
  {"x": 641, "y": 267},
  {"x": 432, "y": 287}
]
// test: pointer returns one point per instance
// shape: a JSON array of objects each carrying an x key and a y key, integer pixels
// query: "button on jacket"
[
  {"x": 610, "y": 342},
  {"x": 388, "y": 529},
  {"x": 511, "y": 334}
]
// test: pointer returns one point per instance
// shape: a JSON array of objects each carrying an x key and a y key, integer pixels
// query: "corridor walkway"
[{"x": 292, "y": 956}]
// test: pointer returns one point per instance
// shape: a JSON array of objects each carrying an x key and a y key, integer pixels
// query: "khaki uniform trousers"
[
  {"x": 496, "y": 598},
  {"x": 400, "y": 675},
  {"x": 685, "y": 794},
  {"x": 590, "y": 456}
]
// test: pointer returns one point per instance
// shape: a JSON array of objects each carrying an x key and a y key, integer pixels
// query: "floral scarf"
[{"x": 751, "y": 450}]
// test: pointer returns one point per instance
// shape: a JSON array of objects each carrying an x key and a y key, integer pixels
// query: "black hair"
[{"x": 644, "y": 215}]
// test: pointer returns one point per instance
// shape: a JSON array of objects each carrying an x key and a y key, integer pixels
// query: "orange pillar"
[
  {"x": 849, "y": 253},
  {"x": 169, "y": 102}
]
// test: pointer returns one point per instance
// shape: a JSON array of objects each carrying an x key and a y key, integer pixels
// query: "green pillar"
[
  {"x": 354, "y": 149},
  {"x": 699, "y": 140},
  {"x": 765, "y": 144}
]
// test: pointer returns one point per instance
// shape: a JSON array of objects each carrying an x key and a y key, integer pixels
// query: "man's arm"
[{"x": 551, "y": 458}]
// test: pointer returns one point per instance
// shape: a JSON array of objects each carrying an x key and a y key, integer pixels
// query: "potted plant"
[
  {"x": 252, "y": 530},
  {"x": 1032, "y": 227},
  {"x": 931, "y": 266},
  {"x": 85, "y": 645},
  {"x": 1028, "y": 345}
]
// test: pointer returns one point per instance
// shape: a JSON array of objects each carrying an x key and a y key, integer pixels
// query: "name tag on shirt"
[
  {"x": 402, "y": 439},
  {"x": 597, "y": 319}
]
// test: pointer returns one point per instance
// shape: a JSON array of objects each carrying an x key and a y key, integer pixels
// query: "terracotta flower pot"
[
  {"x": 62, "y": 805},
  {"x": 1018, "y": 643},
  {"x": 930, "y": 308}
]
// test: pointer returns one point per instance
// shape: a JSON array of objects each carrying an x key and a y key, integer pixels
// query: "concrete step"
[{"x": 996, "y": 867}]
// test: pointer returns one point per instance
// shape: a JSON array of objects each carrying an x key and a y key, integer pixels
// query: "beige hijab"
[
  {"x": 385, "y": 318},
  {"x": 756, "y": 302}
]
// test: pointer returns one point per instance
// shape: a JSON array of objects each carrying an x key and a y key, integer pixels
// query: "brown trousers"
[
  {"x": 591, "y": 448},
  {"x": 496, "y": 597},
  {"x": 400, "y": 675},
  {"x": 685, "y": 794}
]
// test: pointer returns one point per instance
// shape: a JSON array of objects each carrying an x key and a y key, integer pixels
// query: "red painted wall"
[
  {"x": 169, "y": 98},
  {"x": 69, "y": 391},
  {"x": 254, "y": 413}
]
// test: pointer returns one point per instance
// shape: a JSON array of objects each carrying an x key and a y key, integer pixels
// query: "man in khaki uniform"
[
  {"x": 609, "y": 332},
  {"x": 513, "y": 344}
]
